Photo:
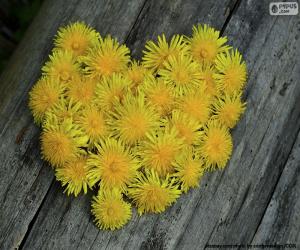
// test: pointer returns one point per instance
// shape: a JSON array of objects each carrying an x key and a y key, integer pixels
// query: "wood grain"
[
  {"x": 25, "y": 179},
  {"x": 232, "y": 211},
  {"x": 280, "y": 223}
]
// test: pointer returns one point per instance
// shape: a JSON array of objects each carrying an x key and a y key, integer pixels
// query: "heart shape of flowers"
[{"x": 137, "y": 132}]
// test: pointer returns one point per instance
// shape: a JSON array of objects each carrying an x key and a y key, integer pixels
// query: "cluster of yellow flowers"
[{"x": 139, "y": 133}]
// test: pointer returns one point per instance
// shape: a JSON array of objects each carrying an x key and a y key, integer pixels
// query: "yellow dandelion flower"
[
  {"x": 73, "y": 175},
  {"x": 216, "y": 146},
  {"x": 196, "y": 104},
  {"x": 181, "y": 72},
  {"x": 159, "y": 151},
  {"x": 205, "y": 43},
  {"x": 113, "y": 165},
  {"x": 151, "y": 194},
  {"x": 133, "y": 119},
  {"x": 155, "y": 55},
  {"x": 137, "y": 73},
  {"x": 61, "y": 143},
  {"x": 110, "y": 210},
  {"x": 159, "y": 94},
  {"x": 65, "y": 109},
  {"x": 232, "y": 72},
  {"x": 82, "y": 90},
  {"x": 62, "y": 66},
  {"x": 44, "y": 95},
  {"x": 189, "y": 129},
  {"x": 106, "y": 58},
  {"x": 109, "y": 90},
  {"x": 189, "y": 169},
  {"x": 207, "y": 76},
  {"x": 228, "y": 110},
  {"x": 76, "y": 38},
  {"x": 93, "y": 123}
]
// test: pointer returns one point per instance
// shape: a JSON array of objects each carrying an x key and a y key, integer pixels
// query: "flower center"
[
  {"x": 181, "y": 77},
  {"x": 136, "y": 76},
  {"x": 232, "y": 78},
  {"x": 185, "y": 132},
  {"x": 160, "y": 97},
  {"x": 108, "y": 64},
  {"x": 113, "y": 166},
  {"x": 110, "y": 211},
  {"x": 64, "y": 75},
  {"x": 138, "y": 124},
  {"x": 94, "y": 123},
  {"x": 164, "y": 155},
  {"x": 78, "y": 173},
  {"x": 151, "y": 195},
  {"x": 215, "y": 145},
  {"x": 75, "y": 46},
  {"x": 203, "y": 53}
]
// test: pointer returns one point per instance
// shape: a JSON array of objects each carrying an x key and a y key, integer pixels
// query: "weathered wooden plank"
[
  {"x": 281, "y": 222},
  {"x": 54, "y": 227},
  {"x": 231, "y": 212},
  {"x": 24, "y": 178}
]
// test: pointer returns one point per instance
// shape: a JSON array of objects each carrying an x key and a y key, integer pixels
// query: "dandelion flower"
[
  {"x": 188, "y": 128},
  {"x": 93, "y": 124},
  {"x": 137, "y": 73},
  {"x": 113, "y": 165},
  {"x": 76, "y": 38},
  {"x": 205, "y": 43},
  {"x": 156, "y": 54},
  {"x": 62, "y": 66},
  {"x": 61, "y": 143},
  {"x": 65, "y": 109},
  {"x": 181, "y": 72},
  {"x": 228, "y": 110},
  {"x": 159, "y": 151},
  {"x": 216, "y": 145},
  {"x": 106, "y": 58},
  {"x": 110, "y": 210},
  {"x": 159, "y": 94},
  {"x": 110, "y": 89},
  {"x": 44, "y": 95},
  {"x": 133, "y": 119},
  {"x": 151, "y": 194},
  {"x": 232, "y": 72},
  {"x": 82, "y": 90},
  {"x": 189, "y": 169},
  {"x": 197, "y": 104},
  {"x": 73, "y": 175},
  {"x": 207, "y": 76}
]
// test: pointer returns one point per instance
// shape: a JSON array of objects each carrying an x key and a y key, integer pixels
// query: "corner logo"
[{"x": 283, "y": 8}]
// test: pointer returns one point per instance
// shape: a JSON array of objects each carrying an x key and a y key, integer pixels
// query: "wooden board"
[
  {"x": 280, "y": 223},
  {"x": 25, "y": 179},
  {"x": 254, "y": 200}
]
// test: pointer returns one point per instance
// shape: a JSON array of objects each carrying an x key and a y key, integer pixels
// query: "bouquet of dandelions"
[{"x": 139, "y": 133}]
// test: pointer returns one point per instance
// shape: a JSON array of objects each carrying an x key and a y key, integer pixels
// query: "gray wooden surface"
[{"x": 255, "y": 200}]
